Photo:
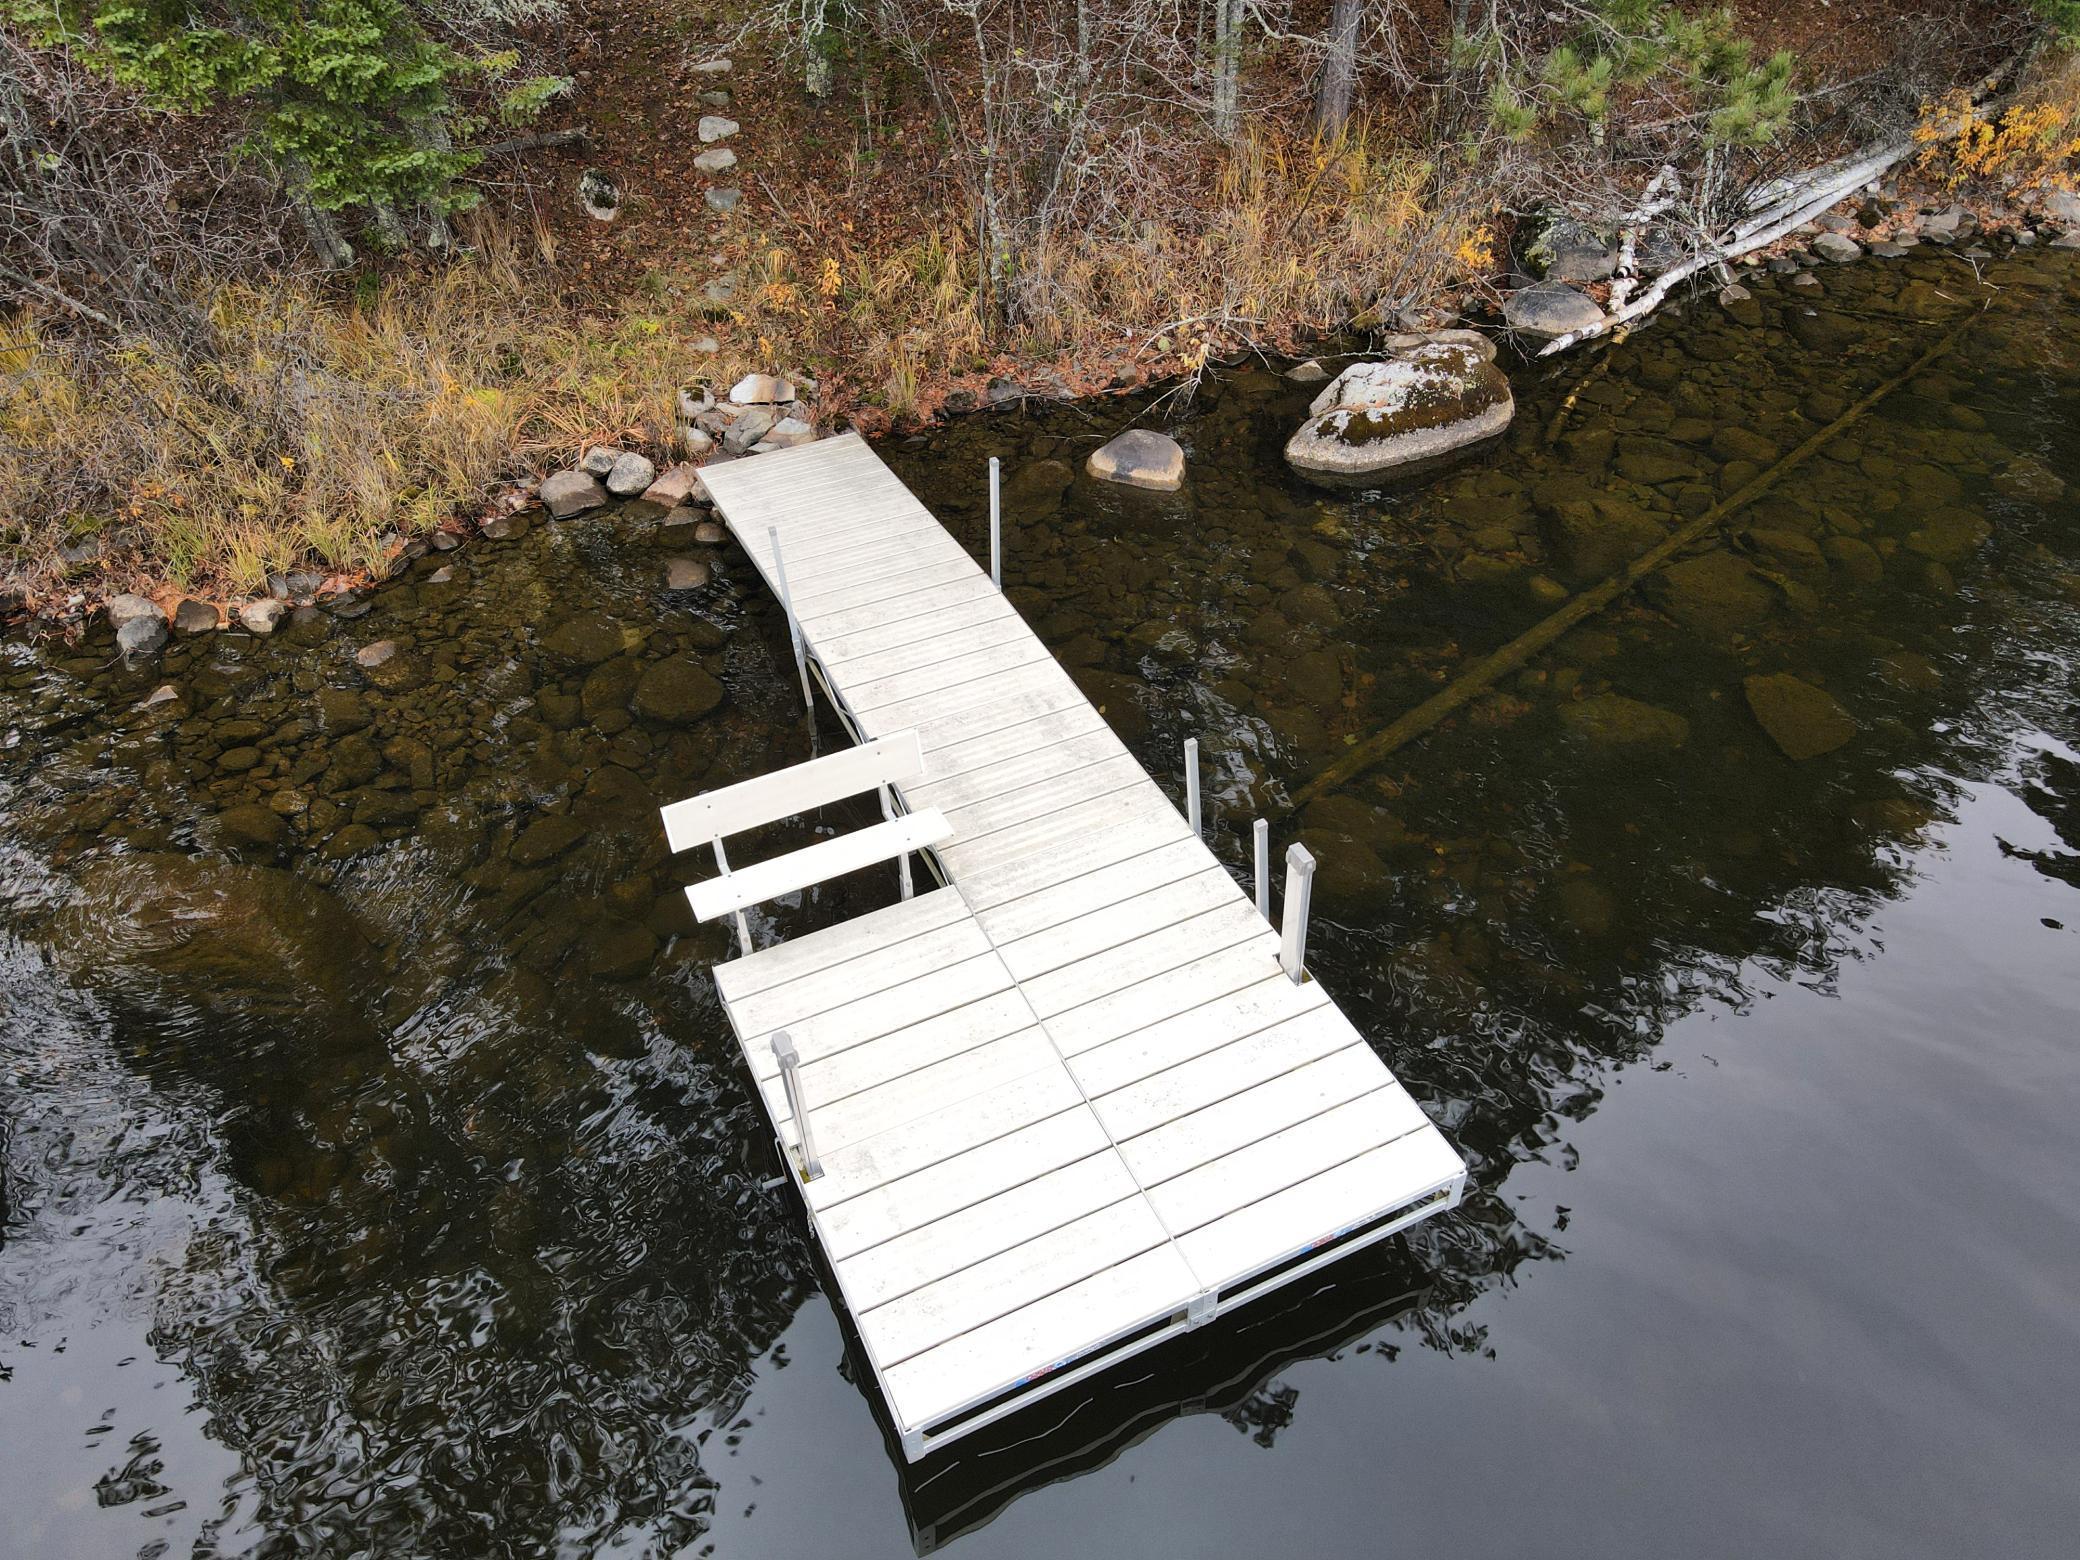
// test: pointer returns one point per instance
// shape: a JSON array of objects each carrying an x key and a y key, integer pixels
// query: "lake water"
[{"x": 377, "y": 1176}]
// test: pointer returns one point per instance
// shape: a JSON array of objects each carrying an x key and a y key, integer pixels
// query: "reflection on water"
[{"x": 376, "y": 1173}]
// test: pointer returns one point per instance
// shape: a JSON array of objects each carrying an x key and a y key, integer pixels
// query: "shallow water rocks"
[
  {"x": 341, "y": 710},
  {"x": 1433, "y": 396},
  {"x": 619, "y": 950},
  {"x": 1714, "y": 593},
  {"x": 261, "y": 617},
  {"x": 570, "y": 493},
  {"x": 255, "y": 945},
  {"x": 388, "y": 665},
  {"x": 194, "y": 617},
  {"x": 505, "y": 528},
  {"x": 1837, "y": 248},
  {"x": 1801, "y": 719},
  {"x": 1140, "y": 458},
  {"x": 585, "y": 640},
  {"x": 1596, "y": 537},
  {"x": 142, "y": 635},
  {"x": 630, "y": 475},
  {"x": 1549, "y": 309},
  {"x": 1613, "y": 720},
  {"x": 676, "y": 691},
  {"x": 684, "y": 574},
  {"x": 252, "y": 828},
  {"x": 545, "y": 839}
]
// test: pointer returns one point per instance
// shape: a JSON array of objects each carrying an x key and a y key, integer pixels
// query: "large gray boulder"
[
  {"x": 1434, "y": 395},
  {"x": 1140, "y": 458},
  {"x": 630, "y": 474},
  {"x": 1549, "y": 309},
  {"x": 127, "y": 608},
  {"x": 570, "y": 493}
]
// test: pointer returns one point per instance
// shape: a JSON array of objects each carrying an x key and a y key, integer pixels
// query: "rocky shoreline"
[{"x": 1567, "y": 265}]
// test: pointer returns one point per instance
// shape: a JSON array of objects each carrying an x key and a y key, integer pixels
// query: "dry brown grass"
[
  {"x": 324, "y": 430},
  {"x": 320, "y": 431}
]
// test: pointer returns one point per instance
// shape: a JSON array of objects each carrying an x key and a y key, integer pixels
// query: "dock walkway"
[{"x": 1070, "y": 1102}]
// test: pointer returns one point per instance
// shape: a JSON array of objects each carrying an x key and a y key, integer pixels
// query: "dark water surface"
[{"x": 377, "y": 1176}]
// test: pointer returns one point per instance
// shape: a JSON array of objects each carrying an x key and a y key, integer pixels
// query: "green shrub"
[{"x": 351, "y": 102}]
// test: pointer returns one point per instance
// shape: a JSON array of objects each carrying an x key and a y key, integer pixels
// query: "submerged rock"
[
  {"x": 1612, "y": 720},
  {"x": 1803, "y": 720},
  {"x": 256, "y": 947},
  {"x": 1140, "y": 458},
  {"x": 677, "y": 691},
  {"x": 1714, "y": 592},
  {"x": 1434, "y": 396},
  {"x": 585, "y": 640},
  {"x": 684, "y": 574}
]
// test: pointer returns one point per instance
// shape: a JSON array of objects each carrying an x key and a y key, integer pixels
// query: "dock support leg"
[
  {"x": 1191, "y": 786},
  {"x": 1292, "y": 949},
  {"x": 790, "y": 1061},
  {"x": 794, "y": 628},
  {"x": 996, "y": 525},
  {"x": 1262, "y": 832},
  {"x": 888, "y": 811}
]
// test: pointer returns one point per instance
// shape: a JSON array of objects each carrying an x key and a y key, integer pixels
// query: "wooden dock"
[{"x": 1073, "y": 1101}]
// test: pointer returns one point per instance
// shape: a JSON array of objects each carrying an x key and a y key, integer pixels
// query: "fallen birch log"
[{"x": 1788, "y": 204}]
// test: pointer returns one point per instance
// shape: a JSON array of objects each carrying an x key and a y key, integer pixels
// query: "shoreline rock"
[{"x": 1435, "y": 396}]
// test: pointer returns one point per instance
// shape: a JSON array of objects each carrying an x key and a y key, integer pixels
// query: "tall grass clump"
[{"x": 315, "y": 430}]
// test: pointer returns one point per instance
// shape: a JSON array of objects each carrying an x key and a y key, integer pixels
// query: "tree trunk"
[
  {"x": 816, "y": 49},
  {"x": 1227, "y": 68},
  {"x": 1332, "y": 104}
]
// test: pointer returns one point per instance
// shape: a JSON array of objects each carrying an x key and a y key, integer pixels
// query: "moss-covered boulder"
[{"x": 1433, "y": 396}]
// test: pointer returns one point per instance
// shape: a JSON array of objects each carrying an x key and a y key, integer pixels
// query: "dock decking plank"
[{"x": 1070, "y": 1098}]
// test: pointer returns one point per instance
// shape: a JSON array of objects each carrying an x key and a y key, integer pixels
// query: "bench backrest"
[{"x": 703, "y": 819}]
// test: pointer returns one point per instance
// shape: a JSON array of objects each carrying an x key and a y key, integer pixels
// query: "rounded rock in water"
[{"x": 1434, "y": 396}]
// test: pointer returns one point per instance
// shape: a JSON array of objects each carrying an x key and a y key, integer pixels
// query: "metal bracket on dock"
[{"x": 1201, "y": 1309}]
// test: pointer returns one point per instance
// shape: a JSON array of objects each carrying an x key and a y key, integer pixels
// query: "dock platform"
[{"x": 1072, "y": 1101}]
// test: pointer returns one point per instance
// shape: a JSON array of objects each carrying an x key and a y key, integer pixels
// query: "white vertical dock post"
[
  {"x": 790, "y": 1061},
  {"x": 1292, "y": 948},
  {"x": 794, "y": 628},
  {"x": 1191, "y": 786},
  {"x": 888, "y": 811},
  {"x": 996, "y": 525},
  {"x": 1262, "y": 830}
]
